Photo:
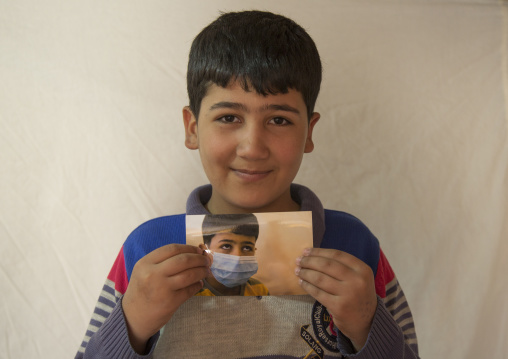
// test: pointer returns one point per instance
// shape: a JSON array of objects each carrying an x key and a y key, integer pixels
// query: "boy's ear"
[
  {"x": 309, "y": 145},
  {"x": 191, "y": 128}
]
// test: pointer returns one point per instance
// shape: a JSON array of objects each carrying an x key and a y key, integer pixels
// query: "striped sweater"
[{"x": 293, "y": 326}]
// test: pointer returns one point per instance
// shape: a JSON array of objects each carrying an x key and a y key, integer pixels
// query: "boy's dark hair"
[
  {"x": 242, "y": 224},
  {"x": 263, "y": 51}
]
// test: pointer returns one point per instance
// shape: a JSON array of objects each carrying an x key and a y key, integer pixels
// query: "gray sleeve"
[
  {"x": 111, "y": 340},
  {"x": 386, "y": 339}
]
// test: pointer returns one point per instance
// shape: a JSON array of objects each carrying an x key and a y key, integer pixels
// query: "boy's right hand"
[{"x": 160, "y": 282}]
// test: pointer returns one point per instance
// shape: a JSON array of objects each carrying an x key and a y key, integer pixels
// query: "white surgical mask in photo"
[{"x": 233, "y": 270}]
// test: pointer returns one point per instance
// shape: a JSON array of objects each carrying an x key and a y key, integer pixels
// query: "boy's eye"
[
  {"x": 225, "y": 246},
  {"x": 229, "y": 119},
  {"x": 247, "y": 249},
  {"x": 280, "y": 121}
]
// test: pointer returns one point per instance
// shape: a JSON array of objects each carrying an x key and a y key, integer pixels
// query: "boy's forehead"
[
  {"x": 237, "y": 237},
  {"x": 249, "y": 99}
]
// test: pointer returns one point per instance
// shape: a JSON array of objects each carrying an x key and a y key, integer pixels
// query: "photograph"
[{"x": 252, "y": 254}]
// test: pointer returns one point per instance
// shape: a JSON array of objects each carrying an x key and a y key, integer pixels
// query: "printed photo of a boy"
[{"x": 250, "y": 254}]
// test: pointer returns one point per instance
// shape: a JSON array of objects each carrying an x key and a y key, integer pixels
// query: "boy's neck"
[{"x": 283, "y": 204}]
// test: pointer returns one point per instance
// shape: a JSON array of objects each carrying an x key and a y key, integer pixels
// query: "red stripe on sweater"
[
  {"x": 384, "y": 275},
  {"x": 118, "y": 273}
]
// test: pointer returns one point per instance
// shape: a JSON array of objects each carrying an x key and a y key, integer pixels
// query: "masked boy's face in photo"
[{"x": 234, "y": 244}]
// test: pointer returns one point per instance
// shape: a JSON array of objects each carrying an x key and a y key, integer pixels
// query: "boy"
[
  {"x": 253, "y": 79},
  {"x": 232, "y": 240}
]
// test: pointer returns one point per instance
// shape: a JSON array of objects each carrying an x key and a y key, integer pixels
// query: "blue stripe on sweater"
[
  {"x": 152, "y": 235},
  {"x": 347, "y": 233}
]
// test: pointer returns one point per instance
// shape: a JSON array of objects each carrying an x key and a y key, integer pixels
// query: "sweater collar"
[{"x": 305, "y": 197}]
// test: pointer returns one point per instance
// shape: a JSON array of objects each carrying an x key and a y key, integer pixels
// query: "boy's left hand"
[{"x": 344, "y": 285}]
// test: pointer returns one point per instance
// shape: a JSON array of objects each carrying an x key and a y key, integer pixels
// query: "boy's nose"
[
  {"x": 252, "y": 144},
  {"x": 237, "y": 251}
]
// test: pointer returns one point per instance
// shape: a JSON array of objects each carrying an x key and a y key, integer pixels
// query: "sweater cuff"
[
  {"x": 113, "y": 338},
  {"x": 385, "y": 339},
  {"x": 344, "y": 344}
]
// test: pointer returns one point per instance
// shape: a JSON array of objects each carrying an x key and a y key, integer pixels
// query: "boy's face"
[
  {"x": 251, "y": 147},
  {"x": 234, "y": 244}
]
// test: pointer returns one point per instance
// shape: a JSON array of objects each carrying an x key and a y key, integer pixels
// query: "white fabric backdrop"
[{"x": 413, "y": 140}]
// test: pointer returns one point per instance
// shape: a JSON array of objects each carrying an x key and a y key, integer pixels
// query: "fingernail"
[
  {"x": 298, "y": 261},
  {"x": 306, "y": 251},
  {"x": 297, "y": 270}
]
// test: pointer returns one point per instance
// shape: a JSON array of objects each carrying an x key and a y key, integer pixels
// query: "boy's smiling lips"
[{"x": 251, "y": 175}]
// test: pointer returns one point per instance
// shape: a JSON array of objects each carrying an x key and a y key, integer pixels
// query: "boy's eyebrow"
[
  {"x": 277, "y": 107},
  {"x": 240, "y": 106},
  {"x": 232, "y": 241},
  {"x": 227, "y": 104}
]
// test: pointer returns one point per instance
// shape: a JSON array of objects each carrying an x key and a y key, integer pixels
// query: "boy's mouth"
[{"x": 250, "y": 175}]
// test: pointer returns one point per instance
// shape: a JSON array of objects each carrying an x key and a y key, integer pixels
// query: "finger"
[
  {"x": 187, "y": 278},
  {"x": 340, "y": 256},
  {"x": 328, "y": 266},
  {"x": 318, "y": 294},
  {"x": 170, "y": 250},
  {"x": 321, "y": 281},
  {"x": 183, "y": 262},
  {"x": 189, "y": 291}
]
